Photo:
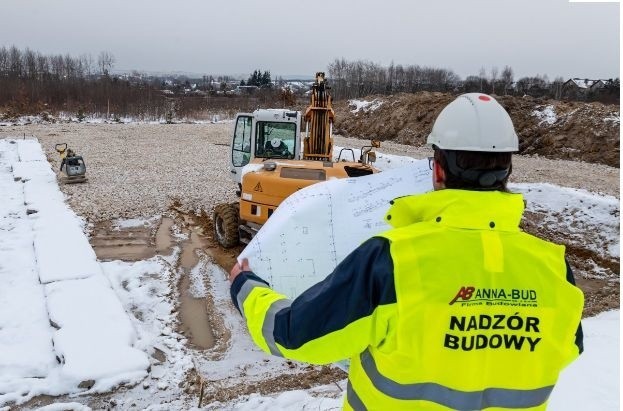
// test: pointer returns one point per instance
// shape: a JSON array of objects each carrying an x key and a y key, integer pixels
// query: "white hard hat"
[
  {"x": 474, "y": 122},
  {"x": 275, "y": 142}
]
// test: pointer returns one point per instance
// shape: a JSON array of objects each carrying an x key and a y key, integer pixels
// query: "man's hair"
[{"x": 479, "y": 161}]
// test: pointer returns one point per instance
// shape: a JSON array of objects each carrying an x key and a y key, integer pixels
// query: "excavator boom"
[{"x": 318, "y": 142}]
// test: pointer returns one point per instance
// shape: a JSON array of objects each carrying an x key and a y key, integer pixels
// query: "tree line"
[
  {"x": 358, "y": 78},
  {"x": 351, "y": 79},
  {"x": 32, "y": 83}
]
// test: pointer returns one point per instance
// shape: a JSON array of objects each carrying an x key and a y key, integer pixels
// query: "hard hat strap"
[{"x": 486, "y": 179}]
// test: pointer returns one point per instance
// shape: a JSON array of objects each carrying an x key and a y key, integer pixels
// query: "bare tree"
[
  {"x": 15, "y": 62},
  {"x": 87, "y": 64},
  {"x": 105, "y": 62},
  {"x": 472, "y": 84},
  {"x": 4, "y": 60},
  {"x": 507, "y": 78},
  {"x": 494, "y": 78},
  {"x": 359, "y": 78},
  {"x": 391, "y": 76},
  {"x": 556, "y": 87},
  {"x": 482, "y": 74}
]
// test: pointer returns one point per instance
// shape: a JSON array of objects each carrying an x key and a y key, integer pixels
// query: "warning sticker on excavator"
[{"x": 258, "y": 187}]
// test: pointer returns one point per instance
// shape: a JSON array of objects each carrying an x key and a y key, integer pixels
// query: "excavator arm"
[{"x": 318, "y": 142}]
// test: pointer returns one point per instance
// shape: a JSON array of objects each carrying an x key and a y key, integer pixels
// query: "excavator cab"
[{"x": 264, "y": 134}]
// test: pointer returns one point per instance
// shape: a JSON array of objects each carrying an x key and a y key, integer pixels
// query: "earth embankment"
[{"x": 575, "y": 130}]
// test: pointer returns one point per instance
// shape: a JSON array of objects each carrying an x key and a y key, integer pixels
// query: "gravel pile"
[{"x": 138, "y": 170}]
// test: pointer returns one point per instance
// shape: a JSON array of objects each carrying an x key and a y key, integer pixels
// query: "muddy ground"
[{"x": 198, "y": 318}]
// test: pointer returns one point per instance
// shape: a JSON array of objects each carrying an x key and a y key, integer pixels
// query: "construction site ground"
[{"x": 169, "y": 177}]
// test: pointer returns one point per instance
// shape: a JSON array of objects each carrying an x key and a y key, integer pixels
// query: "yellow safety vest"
[{"x": 486, "y": 318}]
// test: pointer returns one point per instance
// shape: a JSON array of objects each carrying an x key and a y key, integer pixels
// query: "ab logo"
[
  {"x": 258, "y": 187},
  {"x": 465, "y": 293}
]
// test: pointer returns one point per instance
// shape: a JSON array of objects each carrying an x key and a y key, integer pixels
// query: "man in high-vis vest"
[{"x": 454, "y": 308}]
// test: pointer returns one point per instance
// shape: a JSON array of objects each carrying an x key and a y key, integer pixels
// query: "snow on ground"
[
  {"x": 95, "y": 119},
  {"x": 65, "y": 406},
  {"x": 134, "y": 222},
  {"x": 363, "y": 105},
  {"x": 25, "y": 334},
  {"x": 546, "y": 114},
  {"x": 580, "y": 213},
  {"x": 323, "y": 398},
  {"x": 61, "y": 309},
  {"x": 615, "y": 118},
  {"x": 593, "y": 381},
  {"x": 144, "y": 288}
]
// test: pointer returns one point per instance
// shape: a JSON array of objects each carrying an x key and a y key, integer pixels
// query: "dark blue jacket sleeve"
[
  {"x": 579, "y": 334},
  {"x": 363, "y": 281},
  {"x": 360, "y": 283}
]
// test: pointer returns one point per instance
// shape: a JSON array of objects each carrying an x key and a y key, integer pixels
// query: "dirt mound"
[{"x": 554, "y": 129}]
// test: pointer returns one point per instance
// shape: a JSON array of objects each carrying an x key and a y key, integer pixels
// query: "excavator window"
[
  {"x": 275, "y": 139},
  {"x": 241, "y": 149}
]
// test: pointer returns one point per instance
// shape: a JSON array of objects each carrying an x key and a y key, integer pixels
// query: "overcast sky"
[{"x": 292, "y": 37}]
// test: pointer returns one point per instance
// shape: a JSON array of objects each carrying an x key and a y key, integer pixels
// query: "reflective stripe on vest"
[
  {"x": 268, "y": 325},
  {"x": 244, "y": 292},
  {"x": 459, "y": 400},
  {"x": 353, "y": 399}
]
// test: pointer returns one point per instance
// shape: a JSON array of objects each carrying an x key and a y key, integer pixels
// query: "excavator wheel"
[{"x": 226, "y": 225}]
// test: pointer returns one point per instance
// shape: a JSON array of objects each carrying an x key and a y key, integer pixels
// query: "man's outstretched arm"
[{"x": 334, "y": 319}]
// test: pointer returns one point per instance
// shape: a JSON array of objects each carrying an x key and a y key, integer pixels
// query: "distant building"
[
  {"x": 597, "y": 85},
  {"x": 579, "y": 88},
  {"x": 583, "y": 84}
]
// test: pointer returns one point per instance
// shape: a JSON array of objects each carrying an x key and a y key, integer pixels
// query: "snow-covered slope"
[{"x": 62, "y": 328}]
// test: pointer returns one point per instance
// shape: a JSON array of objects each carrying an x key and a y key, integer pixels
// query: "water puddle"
[
  {"x": 128, "y": 244},
  {"x": 193, "y": 311},
  {"x": 144, "y": 242},
  {"x": 164, "y": 240}
]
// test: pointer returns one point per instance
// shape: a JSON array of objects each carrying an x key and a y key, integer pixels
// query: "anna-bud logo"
[{"x": 465, "y": 293}]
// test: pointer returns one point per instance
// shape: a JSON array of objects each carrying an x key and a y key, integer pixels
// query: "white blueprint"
[{"x": 317, "y": 227}]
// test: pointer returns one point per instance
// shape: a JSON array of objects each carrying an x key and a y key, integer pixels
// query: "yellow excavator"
[{"x": 269, "y": 164}]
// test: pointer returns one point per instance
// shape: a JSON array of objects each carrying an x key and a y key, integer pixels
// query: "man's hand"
[{"x": 238, "y": 268}]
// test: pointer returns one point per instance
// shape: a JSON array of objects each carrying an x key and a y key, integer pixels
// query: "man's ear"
[{"x": 438, "y": 174}]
